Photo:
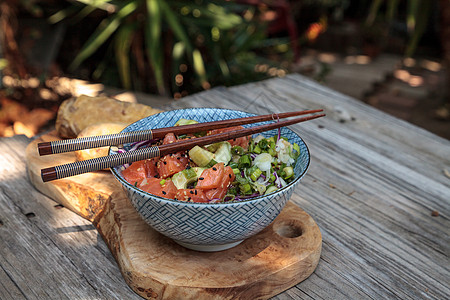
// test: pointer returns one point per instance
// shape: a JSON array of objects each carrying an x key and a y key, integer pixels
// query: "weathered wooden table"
[{"x": 378, "y": 188}]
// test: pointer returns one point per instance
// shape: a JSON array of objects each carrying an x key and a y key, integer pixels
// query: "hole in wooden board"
[
  {"x": 1, "y": 223},
  {"x": 58, "y": 206},
  {"x": 289, "y": 228},
  {"x": 30, "y": 215}
]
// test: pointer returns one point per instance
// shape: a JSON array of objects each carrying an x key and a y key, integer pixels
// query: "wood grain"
[
  {"x": 84, "y": 194},
  {"x": 279, "y": 257},
  {"x": 373, "y": 183},
  {"x": 46, "y": 251}
]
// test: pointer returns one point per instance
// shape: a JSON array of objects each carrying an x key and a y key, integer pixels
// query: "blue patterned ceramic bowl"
[{"x": 203, "y": 226}]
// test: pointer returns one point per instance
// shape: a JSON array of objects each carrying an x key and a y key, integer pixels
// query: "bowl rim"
[{"x": 229, "y": 203}]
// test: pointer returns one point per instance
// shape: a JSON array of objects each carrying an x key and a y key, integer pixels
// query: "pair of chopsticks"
[{"x": 80, "y": 167}]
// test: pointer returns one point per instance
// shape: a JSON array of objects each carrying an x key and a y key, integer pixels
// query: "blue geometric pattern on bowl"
[{"x": 203, "y": 223}]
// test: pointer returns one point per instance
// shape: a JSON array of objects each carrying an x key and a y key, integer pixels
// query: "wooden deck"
[{"x": 378, "y": 188}]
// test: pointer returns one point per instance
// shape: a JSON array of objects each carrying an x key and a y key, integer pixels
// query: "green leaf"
[
  {"x": 411, "y": 14},
  {"x": 423, "y": 13},
  {"x": 224, "y": 68},
  {"x": 175, "y": 26},
  {"x": 199, "y": 65},
  {"x": 214, "y": 16},
  {"x": 106, "y": 28},
  {"x": 153, "y": 42},
  {"x": 122, "y": 45},
  {"x": 83, "y": 13},
  {"x": 100, "y": 4},
  {"x": 373, "y": 11},
  {"x": 392, "y": 8},
  {"x": 63, "y": 14}
]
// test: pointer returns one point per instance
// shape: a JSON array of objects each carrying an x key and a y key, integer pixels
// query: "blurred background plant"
[
  {"x": 174, "y": 47},
  {"x": 415, "y": 14},
  {"x": 51, "y": 50}
]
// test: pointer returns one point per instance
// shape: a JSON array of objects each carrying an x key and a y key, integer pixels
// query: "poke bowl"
[{"x": 214, "y": 225}]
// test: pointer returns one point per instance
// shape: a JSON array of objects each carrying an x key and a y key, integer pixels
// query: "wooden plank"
[
  {"x": 373, "y": 183},
  {"x": 48, "y": 252},
  {"x": 156, "y": 267}
]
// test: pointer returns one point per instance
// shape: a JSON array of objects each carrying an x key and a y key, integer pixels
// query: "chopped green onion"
[
  {"x": 288, "y": 171},
  {"x": 244, "y": 161},
  {"x": 270, "y": 189},
  {"x": 296, "y": 147},
  {"x": 255, "y": 174},
  {"x": 211, "y": 163},
  {"x": 162, "y": 182},
  {"x": 257, "y": 149},
  {"x": 250, "y": 170},
  {"x": 240, "y": 179},
  {"x": 263, "y": 144},
  {"x": 237, "y": 150},
  {"x": 190, "y": 173},
  {"x": 245, "y": 188},
  {"x": 232, "y": 191},
  {"x": 250, "y": 147},
  {"x": 200, "y": 134},
  {"x": 233, "y": 165}
]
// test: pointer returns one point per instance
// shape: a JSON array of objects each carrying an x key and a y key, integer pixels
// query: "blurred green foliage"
[
  {"x": 417, "y": 16},
  {"x": 186, "y": 45}
]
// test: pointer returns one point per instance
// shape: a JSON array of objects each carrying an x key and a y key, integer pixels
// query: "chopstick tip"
[
  {"x": 48, "y": 174},
  {"x": 45, "y": 148}
]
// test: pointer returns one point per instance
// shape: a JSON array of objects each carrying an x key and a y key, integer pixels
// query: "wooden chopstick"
[
  {"x": 68, "y": 145},
  {"x": 100, "y": 163}
]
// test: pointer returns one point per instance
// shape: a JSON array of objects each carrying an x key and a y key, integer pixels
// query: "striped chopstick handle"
[
  {"x": 68, "y": 145},
  {"x": 99, "y": 163}
]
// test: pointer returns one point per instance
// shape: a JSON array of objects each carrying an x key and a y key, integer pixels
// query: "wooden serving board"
[{"x": 155, "y": 267}]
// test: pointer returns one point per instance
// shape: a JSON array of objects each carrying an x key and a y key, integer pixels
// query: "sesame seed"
[
  {"x": 165, "y": 162},
  {"x": 201, "y": 178},
  {"x": 191, "y": 192},
  {"x": 214, "y": 168},
  {"x": 164, "y": 192},
  {"x": 229, "y": 175}
]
